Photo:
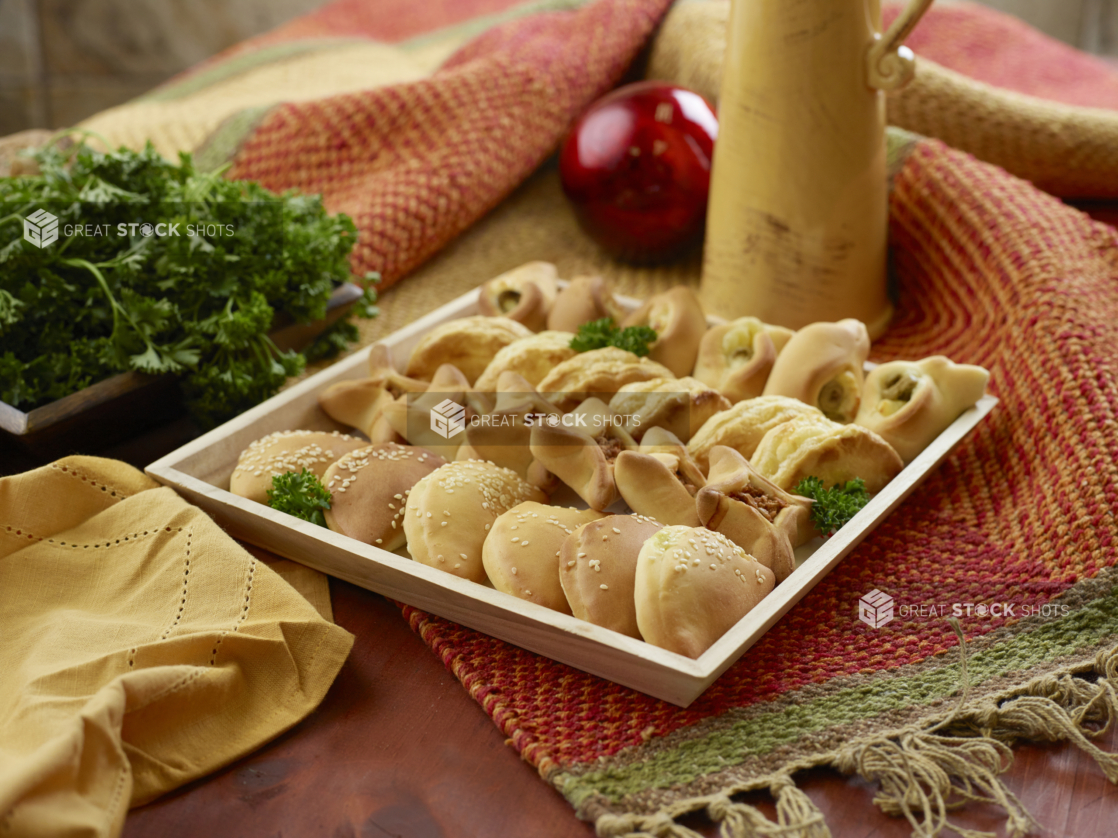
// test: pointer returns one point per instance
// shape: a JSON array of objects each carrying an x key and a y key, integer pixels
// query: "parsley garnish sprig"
[
  {"x": 598, "y": 334},
  {"x": 300, "y": 494},
  {"x": 833, "y": 507}
]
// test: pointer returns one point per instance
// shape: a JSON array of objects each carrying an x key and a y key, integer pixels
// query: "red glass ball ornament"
[{"x": 636, "y": 168}]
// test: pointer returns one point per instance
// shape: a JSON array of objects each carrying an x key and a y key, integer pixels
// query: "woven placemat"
[
  {"x": 989, "y": 270},
  {"x": 1015, "y": 532}
]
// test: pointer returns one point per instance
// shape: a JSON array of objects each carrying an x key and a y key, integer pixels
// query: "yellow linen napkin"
[{"x": 140, "y": 647}]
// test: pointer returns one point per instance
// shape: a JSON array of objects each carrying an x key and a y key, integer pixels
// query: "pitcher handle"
[{"x": 890, "y": 65}]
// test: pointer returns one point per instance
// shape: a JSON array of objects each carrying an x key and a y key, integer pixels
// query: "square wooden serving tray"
[{"x": 200, "y": 471}]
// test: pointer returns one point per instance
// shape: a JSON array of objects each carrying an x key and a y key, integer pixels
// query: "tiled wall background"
[{"x": 63, "y": 60}]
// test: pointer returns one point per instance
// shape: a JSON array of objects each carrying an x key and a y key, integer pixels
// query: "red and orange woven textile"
[
  {"x": 990, "y": 270},
  {"x": 417, "y": 164}
]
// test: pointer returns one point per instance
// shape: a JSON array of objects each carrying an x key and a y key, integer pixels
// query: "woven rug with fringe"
[{"x": 989, "y": 270}]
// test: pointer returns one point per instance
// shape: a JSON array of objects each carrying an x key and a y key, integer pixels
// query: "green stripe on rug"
[
  {"x": 758, "y": 735},
  {"x": 220, "y": 146},
  {"x": 242, "y": 64}
]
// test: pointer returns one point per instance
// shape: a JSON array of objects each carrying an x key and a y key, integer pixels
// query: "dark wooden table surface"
[{"x": 398, "y": 748}]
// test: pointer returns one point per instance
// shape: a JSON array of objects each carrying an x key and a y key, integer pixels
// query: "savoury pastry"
[
  {"x": 521, "y": 551},
  {"x": 524, "y": 294},
  {"x": 692, "y": 585},
  {"x": 822, "y": 365},
  {"x": 451, "y": 510},
  {"x": 597, "y": 568},
  {"x": 832, "y": 452},
  {"x": 469, "y": 343},
  {"x": 678, "y": 405},
  {"x": 753, "y": 512},
  {"x": 911, "y": 403},
  {"x": 360, "y": 403},
  {"x": 744, "y": 425},
  {"x": 660, "y": 441},
  {"x": 598, "y": 372},
  {"x": 435, "y": 419},
  {"x": 533, "y": 358},
  {"x": 585, "y": 298},
  {"x": 286, "y": 451},
  {"x": 503, "y": 436},
  {"x": 677, "y": 317},
  {"x": 370, "y": 487},
  {"x": 580, "y": 449},
  {"x": 737, "y": 357},
  {"x": 653, "y": 485}
]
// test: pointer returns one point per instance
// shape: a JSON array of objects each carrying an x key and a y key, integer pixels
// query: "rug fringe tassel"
[
  {"x": 924, "y": 773},
  {"x": 642, "y": 826},
  {"x": 796, "y": 817}
]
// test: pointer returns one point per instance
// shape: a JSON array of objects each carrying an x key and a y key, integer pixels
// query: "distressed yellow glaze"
[{"x": 796, "y": 227}]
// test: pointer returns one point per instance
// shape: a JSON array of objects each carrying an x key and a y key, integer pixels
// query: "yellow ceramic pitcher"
[{"x": 796, "y": 225}]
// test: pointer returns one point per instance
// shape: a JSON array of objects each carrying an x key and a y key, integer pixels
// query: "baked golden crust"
[
  {"x": 360, "y": 403},
  {"x": 744, "y": 425},
  {"x": 651, "y": 484},
  {"x": 504, "y": 436},
  {"x": 451, "y": 510},
  {"x": 910, "y": 403},
  {"x": 521, "y": 551},
  {"x": 582, "y": 451},
  {"x": 286, "y": 451},
  {"x": 737, "y": 357},
  {"x": 370, "y": 487},
  {"x": 832, "y": 452},
  {"x": 692, "y": 585},
  {"x": 597, "y": 568},
  {"x": 753, "y": 512},
  {"x": 678, "y": 405},
  {"x": 677, "y": 316},
  {"x": 822, "y": 365},
  {"x": 524, "y": 294},
  {"x": 532, "y": 358},
  {"x": 597, "y": 372},
  {"x": 584, "y": 299},
  {"x": 469, "y": 343},
  {"x": 410, "y": 415}
]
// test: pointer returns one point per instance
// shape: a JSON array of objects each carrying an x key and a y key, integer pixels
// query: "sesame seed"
[{"x": 604, "y": 587}]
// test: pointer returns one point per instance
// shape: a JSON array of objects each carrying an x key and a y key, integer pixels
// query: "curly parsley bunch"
[{"x": 110, "y": 296}]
